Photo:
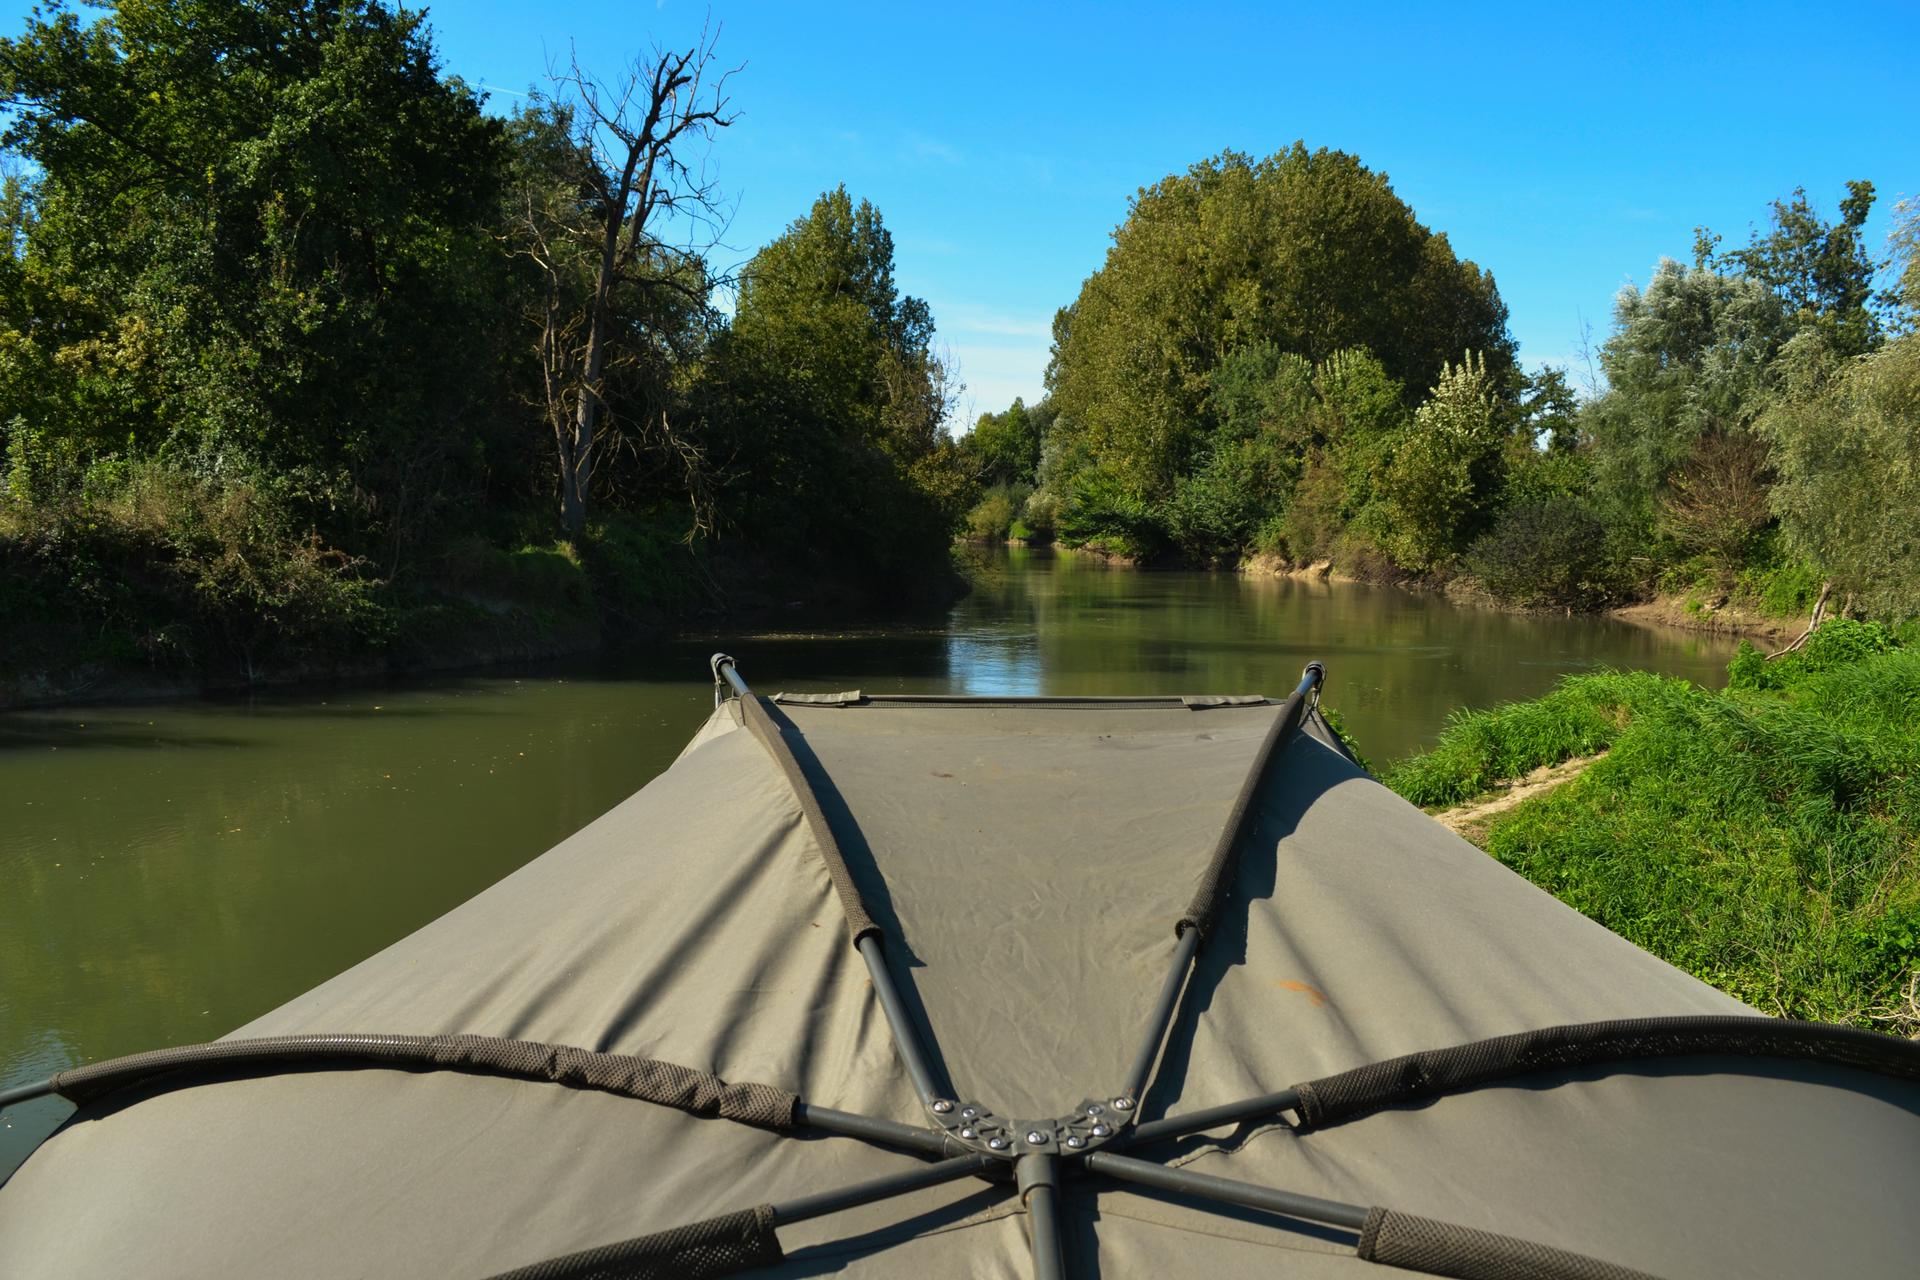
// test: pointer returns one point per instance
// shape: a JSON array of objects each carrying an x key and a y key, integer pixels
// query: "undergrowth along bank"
[{"x": 1765, "y": 837}]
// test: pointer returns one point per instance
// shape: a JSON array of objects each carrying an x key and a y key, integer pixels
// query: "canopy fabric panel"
[{"x": 1026, "y": 863}]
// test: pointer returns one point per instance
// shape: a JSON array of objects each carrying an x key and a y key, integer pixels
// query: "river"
[{"x": 169, "y": 871}]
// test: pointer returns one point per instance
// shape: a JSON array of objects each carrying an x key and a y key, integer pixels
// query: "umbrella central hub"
[{"x": 1087, "y": 1128}]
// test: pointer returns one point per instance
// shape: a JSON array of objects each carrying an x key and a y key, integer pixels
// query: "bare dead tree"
[{"x": 639, "y": 213}]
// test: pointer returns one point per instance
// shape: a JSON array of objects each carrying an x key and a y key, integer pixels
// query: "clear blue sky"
[{"x": 1567, "y": 148}]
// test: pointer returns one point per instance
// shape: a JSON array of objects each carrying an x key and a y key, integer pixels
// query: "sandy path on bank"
[{"x": 1471, "y": 819}]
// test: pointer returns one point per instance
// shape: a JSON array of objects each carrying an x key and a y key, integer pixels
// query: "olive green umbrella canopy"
[{"x": 944, "y": 987}]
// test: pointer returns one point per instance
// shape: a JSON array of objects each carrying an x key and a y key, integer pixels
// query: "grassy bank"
[{"x": 1765, "y": 838}]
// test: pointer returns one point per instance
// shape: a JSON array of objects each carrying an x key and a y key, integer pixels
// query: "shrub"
[
  {"x": 1099, "y": 511},
  {"x": 1548, "y": 553},
  {"x": 158, "y": 564},
  {"x": 1838, "y": 642},
  {"x": 991, "y": 518}
]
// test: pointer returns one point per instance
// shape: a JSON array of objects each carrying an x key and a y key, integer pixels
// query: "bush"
[
  {"x": 174, "y": 568},
  {"x": 1214, "y": 512},
  {"x": 1100, "y": 512},
  {"x": 1552, "y": 553},
  {"x": 992, "y": 518},
  {"x": 1838, "y": 642}
]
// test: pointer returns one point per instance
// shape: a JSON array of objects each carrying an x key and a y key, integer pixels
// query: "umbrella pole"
[
  {"x": 894, "y": 1184},
  {"x": 905, "y": 1041},
  {"x": 1206, "y": 1186},
  {"x": 1038, "y": 1177},
  {"x": 1136, "y": 1081},
  {"x": 886, "y": 1133},
  {"x": 1266, "y": 1106},
  {"x": 1199, "y": 914}
]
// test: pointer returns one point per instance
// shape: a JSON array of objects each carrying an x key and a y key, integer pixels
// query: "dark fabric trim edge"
[{"x": 1434, "y": 1073}]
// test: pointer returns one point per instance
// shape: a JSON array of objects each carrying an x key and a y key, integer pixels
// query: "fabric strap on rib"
[
  {"x": 1443, "y": 1249},
  {"x": 1435, "y": 1072},
  {"x": 753, "y": 709},
  {"x": 717, "y": 1247},
  {"x": 1220, "y": 863},
  {"x": 647, "y": 1079}
]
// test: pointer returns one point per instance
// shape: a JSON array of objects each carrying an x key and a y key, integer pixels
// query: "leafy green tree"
[
  {"x": 1821, "y": 271},
  {"x": 1443, "y": 476},
  {"x": 1692, "y": 355},
  {"x": 1308, "y": 251},
  {"x": 1549, "y": 411},
  {"x": 826, "y": 396},
  {"x": 242, "y": 213},
  {"x": 1008, "y": 444},
  {"x": 1845, "y": 443}
]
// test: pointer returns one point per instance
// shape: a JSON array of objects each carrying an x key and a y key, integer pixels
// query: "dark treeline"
[
  {"x": 304, "y": 356},
  {"x": 1278, "y": 360}
]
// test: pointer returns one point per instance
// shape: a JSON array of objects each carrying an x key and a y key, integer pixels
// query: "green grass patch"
[
  {"x": 1765, "y": 839},
  {"x": 1582, "y": 715}
]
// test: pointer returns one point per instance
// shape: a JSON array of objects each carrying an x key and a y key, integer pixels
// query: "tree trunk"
[{"x": 573, "y": 503}]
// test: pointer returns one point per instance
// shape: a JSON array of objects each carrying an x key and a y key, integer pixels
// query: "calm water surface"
[{"x": 168, "y": 872}]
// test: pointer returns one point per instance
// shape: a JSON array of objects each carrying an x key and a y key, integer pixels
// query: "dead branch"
[{"x": 1819, "y": 611}]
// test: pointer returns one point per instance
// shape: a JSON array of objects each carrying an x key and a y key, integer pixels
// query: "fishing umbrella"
[{"x": 961, "y": 987}]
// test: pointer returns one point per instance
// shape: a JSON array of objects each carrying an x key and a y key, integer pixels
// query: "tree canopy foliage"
[
  {"x": 1307, "y": 251},
  {"x": 281, "y": 292},
  {"x": 1278, "y": 359}
]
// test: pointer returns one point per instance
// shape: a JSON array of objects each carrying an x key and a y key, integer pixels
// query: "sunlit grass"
[{"x": 1765, "y": 841}]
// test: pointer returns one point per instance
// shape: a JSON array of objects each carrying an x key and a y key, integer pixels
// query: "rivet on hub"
[
  {"x": 968, "y": 1134},
  {"x": 1076, "y": 1141},
  {"x": 941, "y": 1106},
  {"x": 997, "y": 1143},
  {"x": 1123, "y": 1104},
  {"x": 1036, "y": 1137},
  {"x": 1100, "y": 1131}
]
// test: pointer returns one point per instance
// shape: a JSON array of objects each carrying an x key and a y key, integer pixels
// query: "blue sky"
[{"x": 1566, "y": 148}]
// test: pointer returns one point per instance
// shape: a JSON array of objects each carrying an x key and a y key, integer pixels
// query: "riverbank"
[
  {"x": 1679, "y": 611},
  {"x": 138, "y": 626},
  {"x": 1690, "y": 613},
  {"x": 1765, "y": 838}
]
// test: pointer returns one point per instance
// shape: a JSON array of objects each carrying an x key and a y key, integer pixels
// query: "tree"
[
  {"x": 241, "y": 213},
  {"x": 1846, "y": 445},
  {"x": 601, "y": 230},
  {"x": 1008, "y": 443},
  {"x": 1716, "y": 504},
  {"x": 1443, "y": 474},
  {"x": 1691, "y": 355},
  {"x": 1308, "y": 251},
  {"x": 827, "y": 396},
  {"x": 1820, "y": 271},
  {"x": 1549, "y": 411}
]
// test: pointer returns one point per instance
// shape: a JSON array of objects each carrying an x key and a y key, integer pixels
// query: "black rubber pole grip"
[
  {"x": 1464, "y": 1253},
  {"x": 717, "y": 1247}
]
